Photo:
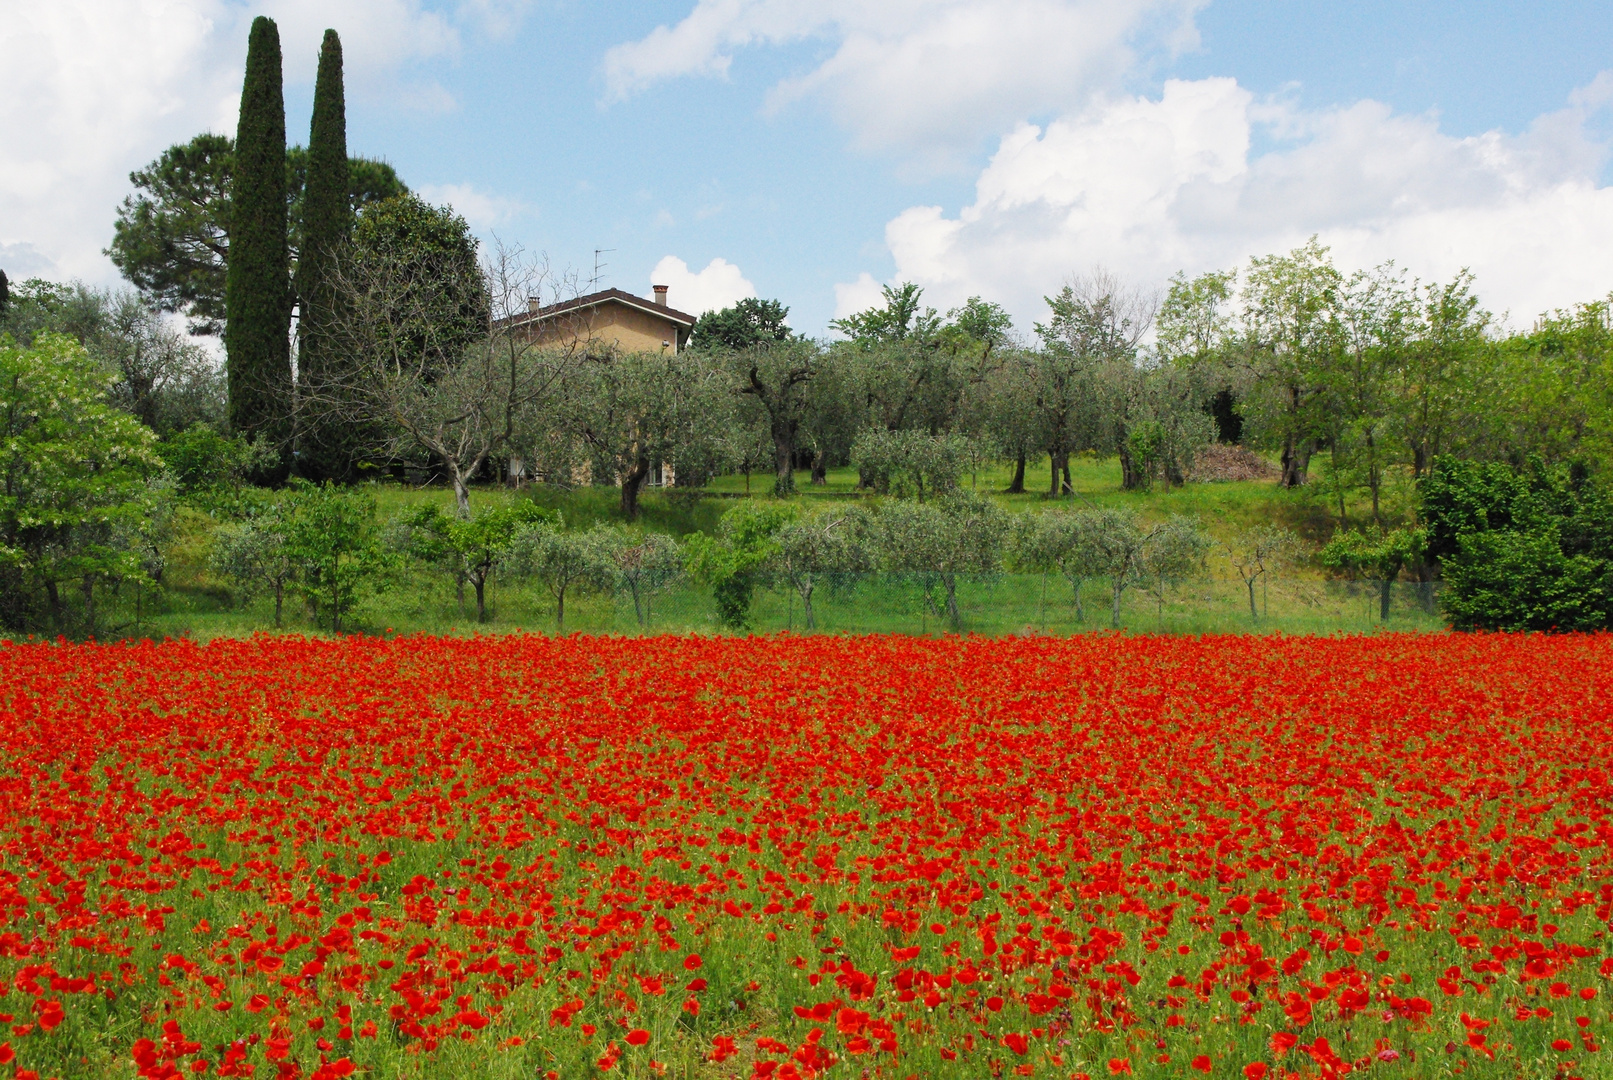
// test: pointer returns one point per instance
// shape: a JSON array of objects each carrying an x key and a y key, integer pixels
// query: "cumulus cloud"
[
  {"x": 860, "y": 295},
  {"x": 1147, "y": 187},
  {"x": 719, "y": 285},
  {"x": 95, "y": 90},
  {"x": 930, "y": 77}
]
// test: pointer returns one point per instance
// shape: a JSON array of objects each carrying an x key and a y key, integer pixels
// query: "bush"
[{"x": 1527, "y": 548}]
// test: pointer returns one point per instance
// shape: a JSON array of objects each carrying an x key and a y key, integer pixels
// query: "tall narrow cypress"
[
  {"x": 257, "y": 287},
  {"x": 326, "y": 447}
]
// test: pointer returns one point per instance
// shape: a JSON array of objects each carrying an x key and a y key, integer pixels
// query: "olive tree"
[
  {"x": 1255, "y": 553},
  {"x": 822, "y": 547},
  {"x": 563, "y": 561},
  {"x": 254, "y": 554},
  {"x": 645, "y": 568},
  {"x": 910, "y": 463},
  {"x": 1058, "y": 541},
  {"x": 444, "y": 365},
  {"x": 934, "y": 542}
]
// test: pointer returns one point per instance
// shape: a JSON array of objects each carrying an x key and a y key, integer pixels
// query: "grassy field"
[{"x": 1300, "y": 601}]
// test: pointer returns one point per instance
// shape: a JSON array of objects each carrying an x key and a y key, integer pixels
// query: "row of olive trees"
[{"x": 326, "y": 545}]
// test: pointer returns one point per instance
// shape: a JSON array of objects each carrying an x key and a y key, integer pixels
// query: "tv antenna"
[{"x": 593, "y": 284}]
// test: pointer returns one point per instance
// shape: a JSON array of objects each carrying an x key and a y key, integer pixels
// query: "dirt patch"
[{"x": 1219, "y": 461}]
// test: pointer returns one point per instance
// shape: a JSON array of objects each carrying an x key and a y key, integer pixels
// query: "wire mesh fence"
[{"x": 995, "y": 605}]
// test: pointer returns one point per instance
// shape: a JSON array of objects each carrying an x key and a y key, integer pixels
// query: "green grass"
[{"x": 197, "y": 604}]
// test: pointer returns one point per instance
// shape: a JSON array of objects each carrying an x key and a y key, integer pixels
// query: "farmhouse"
[{"x": 609, "y": 318}]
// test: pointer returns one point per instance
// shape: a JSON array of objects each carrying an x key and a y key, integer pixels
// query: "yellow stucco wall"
[{"x": 612, "y": 322}]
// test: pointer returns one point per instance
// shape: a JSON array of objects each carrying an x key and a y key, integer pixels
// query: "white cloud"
[
  {"x": 482, "y": 210},
  {"x": 931, "y": 77},
  {"x": 718, "y": 286},
  {"x": 1147, "y": 187},
  {"x": 859, "y": 295},
  {"x": 95, "y": 89}
]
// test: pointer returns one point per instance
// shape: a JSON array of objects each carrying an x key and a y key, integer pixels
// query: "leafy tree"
[
  {"x": 1175, "y": 549},
  {"x": 823, "y": 547},
  {"x": 446, "y": 370},
  {"x": 336, "y": 540},
  {"x": 935, "y": 542},
  {"x": 74, "y": 472},
  {"x": 1521, "y": 548},
  {"x": 977, "y": 326},
  {"x": 1289, "y": 334},
  {"x": 257, "y": 291},
  {"x": 749, "y": 322},
  {"x": 165, "y": 381},
  {"x": 564, "y": 560},
  {"x": 645, "y": 568},
  {"x": 1062, "y": 542},
  {"x": 776, "y": 376},
  {"x": 325, "y": 450},
  {"x": 1086, "y": 382},
  {"x": 1513, "y": 580},
  {"x": 900, "y": 319},
  {"x": 734, "y": 560},
  {"x": 910, "y": 463},
  {"x": 633, "y": 411},
  {"x": 255, "y": 553},
  {"x": 5, "y": 293},
  {"x": 171, "y": 239},
  {"x": 209, "y": 465},
  {"x": 472, "y": 548},
  {"x": 1446, "y": 380},
  {"x": 1121, "y": 550},
  {"x": 1376, "y": 554}
]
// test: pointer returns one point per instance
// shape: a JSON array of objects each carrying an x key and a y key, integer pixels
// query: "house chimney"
[
  {"x": 660, "y": 294},
  {"x": 533, "y": 304}
]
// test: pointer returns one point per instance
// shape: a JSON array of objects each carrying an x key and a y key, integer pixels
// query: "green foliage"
[
  {"x": 334, "y": 537},
  {"x": 207, "y": 465},
  {"x": 749, "y": 322},
  {"x": 76, "y": 490},
  {"x": 978, "y": 326},
  {"x": 1256, "y": 552},
  {"x": 910, "y": 463},
  {"x": 254, "y": 553},
  {"x": 471, "y": 548},
  {"x": 825, "y": 548},
  {"x": 900, "y": 319},
  {"x": 733, "y": 560},
  {"x": 1517, "y": 580},
  {"x": 644, "y": 568},
  {"x": 325, "y": 447},
  {"x": 1521, "y": 548},
  {"x": 1375, "y": 554},
  {"x": 171, "y": 239},
  {"x": 440, "y": 304},
  {"x": 563, "y": 560},
  {"x": 933, "y": 543},
  {"x": 258, "y": 296}
]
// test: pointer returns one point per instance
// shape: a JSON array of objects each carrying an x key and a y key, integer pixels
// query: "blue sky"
[{"x": 989, "y": 147}]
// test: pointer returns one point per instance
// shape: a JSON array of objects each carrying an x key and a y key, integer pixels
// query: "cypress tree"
[
  {"x": 328, "y": 444},
  {"x": 257, "y": 287}
]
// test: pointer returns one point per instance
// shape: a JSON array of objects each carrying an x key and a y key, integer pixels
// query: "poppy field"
[{"x": 529, "y": 857}]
